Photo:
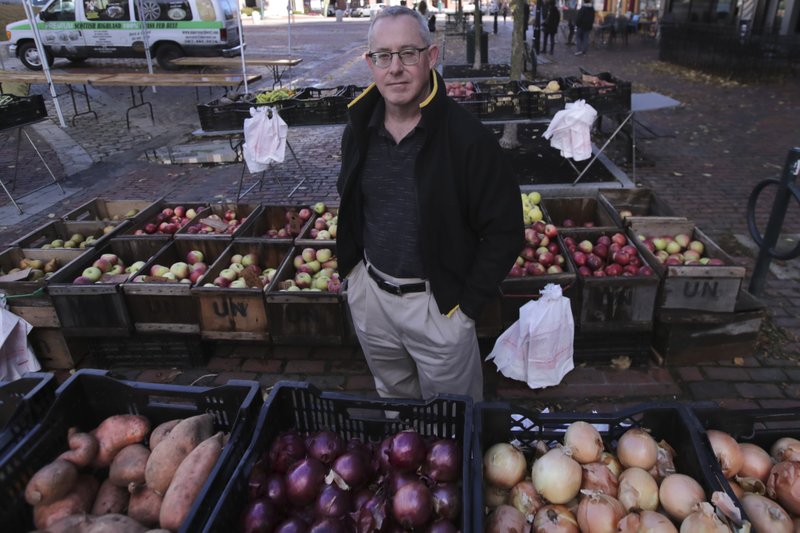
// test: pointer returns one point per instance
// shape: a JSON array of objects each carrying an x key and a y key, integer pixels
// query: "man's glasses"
[{"x": 408, "y": 57}]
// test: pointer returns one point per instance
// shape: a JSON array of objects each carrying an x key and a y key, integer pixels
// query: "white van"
[{"x": 81, "y": 29}]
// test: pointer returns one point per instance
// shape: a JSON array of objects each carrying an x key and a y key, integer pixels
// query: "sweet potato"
[
  {"x": 128, "y": 465},
  {"x": 188, "y": 481},
  {"x": 84, "y": 523},
  {"x": 76, "y": 502},
  {"x": 145, "y": 506},
  {"x": 82, "y": 448},
  {"x": 161, "y": 431},
  {"x": 110, "y": 499},
  {"x": 116, "y": 432},
  {"x": 167, "y": 456},
  {"x": 52, "y": 482}
]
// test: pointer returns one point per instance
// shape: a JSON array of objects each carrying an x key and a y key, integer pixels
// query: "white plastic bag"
[
  {"x": 537, "y": 348},
  {"x": 16, "y": 356},
  {"x": 570, "y": 130},
  {"x": 264, "y": 138}
]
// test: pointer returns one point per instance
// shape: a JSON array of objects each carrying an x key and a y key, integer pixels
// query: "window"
[
  {"x": 106, "y": 10},
  {"x": 61, "y": 10},
  {"x": 163, "y": 10}
]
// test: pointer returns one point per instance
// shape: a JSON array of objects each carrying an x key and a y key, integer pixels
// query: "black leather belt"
[{"x": 393, "y": 288}]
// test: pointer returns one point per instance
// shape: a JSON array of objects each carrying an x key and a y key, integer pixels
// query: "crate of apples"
[
  {"x": 285, "y": 226},
  {"x": 188, "y": 271},
  {"x": 108, "y": 268},
  {"x": 460, "y": 90},
  {"x": 325, "y": 223},
  {"x": 219, "y": 221},
  {"x": 606, "y": 255},
  {"x": 680, "y": 249},
  {"x": 243, "y": 272},
  {"x": 315, "y": 270},
  {"x": 169, "y": 220},
  {"x": 541, "y": 254}
]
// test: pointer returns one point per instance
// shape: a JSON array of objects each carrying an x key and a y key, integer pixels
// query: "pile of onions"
[
  {"x": 318, "y": 483},
  {"x": 727, "y": 452}
]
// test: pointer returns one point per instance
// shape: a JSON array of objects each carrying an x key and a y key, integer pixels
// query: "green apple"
[{"x": 93, "y": 273}]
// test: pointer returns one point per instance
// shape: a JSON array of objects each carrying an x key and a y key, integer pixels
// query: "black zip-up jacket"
[
  {"x": 585, "y": 19},
  {"x": 471, "y": 228}
]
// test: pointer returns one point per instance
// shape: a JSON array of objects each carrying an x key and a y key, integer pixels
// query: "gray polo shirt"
[{"x": 389, "y": 191}]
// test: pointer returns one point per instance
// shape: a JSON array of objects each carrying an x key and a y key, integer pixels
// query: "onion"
[
  {"x": 396, "y": 480},
  {"x": 494, "y": 496},
  {"x": 504, "y": 465},
  {"x": 766, "y": 515},
  {"x": 325, "y": 446},
  {"x": 327, "y": 525},
  {"x": 584, "y": 442},
  {"x": 446, "y": 501},
  {"x": 257, "y": 482},
  {"x": 726, "y": 449},
  {"x": 784, "y": 485},
  {"x": 292, "y": 525},
  {"x": 679, "y": 494},
  {"x": 557, "y": 476},
  {"x": 646, "y": 522},
  {"x": 407, "y": 451},
  {"x": 736, "y": 488},
  {"x": 554, "y": 519},
  {"x": 442, "y": 526},
  {"x": 637, "y": 448},
  {"x": 611, "y": 461},
  {"x": 785, "y": 449},
  {"x": 350, "y": 471},
  {"x": 286, "y": 450},
  {"x": 276, "y": 489},
  {"x": 704, "y": 520},
  {"x": 443, "y": 462},
  {"x": 259, "y": 516},
  {"x": 638, "y": 490},
  {"x": 361, "y": 497},
  {"x": 506, "y": 519},
  {"x": 756, "y": 462},
  {"x": 599, "y": 513},
  {"x": 412, "y": 505},
  {"x": 665, "y": 461},
  {"x": 371, "y": 516},
  {"x": 524, "y": 498},
  {"x": 304, "y": 480},
  {"x": 333, "y": 502},
  {"x": 598, "y": 477},
  {"x": 382, "y": 455}
]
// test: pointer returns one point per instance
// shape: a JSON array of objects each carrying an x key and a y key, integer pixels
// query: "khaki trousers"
[{"x": 412, "y": 350}]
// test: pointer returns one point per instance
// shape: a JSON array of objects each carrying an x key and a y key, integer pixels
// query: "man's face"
[{"x": 401, "y": 85}]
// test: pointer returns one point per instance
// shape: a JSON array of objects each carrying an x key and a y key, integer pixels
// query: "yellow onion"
[
  {"x": 637, "y": 490},
  {"x": 554, "y": 519},
  {"x": 737, "y": 489},
  {"x": 665, "y": 461},
  {"x": 727, "y": 451},
  {"x": 599, "y": 513},
  {"x": 506, "y": 519},
  {"x": 557, "y": 476},
  {"x": 524, "y": 498},
  {"x": 704, "y": 520},
  {"x": 584, "y": 442},
  {"x": 598, "y": 477},
  {"x": 679, "y": 495},
  {"x": 756, "y": 462},
  {"x": 494, "y": 496},
  {"x": 646, "y": 522},
  {"x": 784, "y": 485},
  {"x": 504, "y": 465},
  {"x": 611, "y": 461},
  {"x": 785, "y": 449},
  {"x": 766, "y": 515},
  {"x": 637, "y": 448}
]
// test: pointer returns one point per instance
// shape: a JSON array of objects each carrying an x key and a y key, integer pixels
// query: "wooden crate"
[
  {"x": 519, "y": 291},
  {"x": 54, "y": 351},
  {"x": 640, "y": 202},
  {"x": 168, "y": 307},
  {"x": 304, "y": 317},
  {"x": 108, "y": 210},
  {"x": 242, "y": 211},
  {"x": 237, "y": 314},
  {"x": 696, "y": 288},
  {"x": 599, "y": 347},
  {"x": 580, "y": 209},
  {"x": 305, "y": 238},
  {"x": 276, "y": 217},
  {"x": 620, "y": 303},
  {"x": 691, "y": 337},
  {"x": 63, "y": 230},
  {"x": 136, "y": 229}
]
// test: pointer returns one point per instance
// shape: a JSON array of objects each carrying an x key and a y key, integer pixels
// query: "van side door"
[
  {"x": 61, "y": 29},
  {"x": 109, "y": 21}
]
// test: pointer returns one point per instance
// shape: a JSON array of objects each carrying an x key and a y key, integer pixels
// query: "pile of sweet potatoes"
[{"x": 123, "y": 477}]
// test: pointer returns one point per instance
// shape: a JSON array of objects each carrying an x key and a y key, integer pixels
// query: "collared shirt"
[{"x": 391, "y": 209}]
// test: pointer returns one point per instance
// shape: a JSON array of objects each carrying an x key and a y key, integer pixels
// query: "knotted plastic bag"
[
  {"x": 16, "y": 356},
  {"x": 264, "y": 138},
  {"x": 537, "y": 348},
  {"x": 570, "y": 130}
]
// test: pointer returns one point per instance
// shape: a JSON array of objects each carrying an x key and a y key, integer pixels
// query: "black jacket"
[
  {"x": 585, "y": 18},
  {"x": 470, "y": 211},
  {"x": 552, "y": 19}
]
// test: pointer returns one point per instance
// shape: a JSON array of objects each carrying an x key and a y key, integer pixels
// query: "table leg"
[
  {"x": 134, "y": 105},
  {"x": 75, "y": 106},
  {"x": 600, "y": 151}
]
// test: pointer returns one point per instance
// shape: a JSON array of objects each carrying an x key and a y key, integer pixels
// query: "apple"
[
  {"x": 530, "y": 234},
  {"x": 691, "y": 255},
  {"x": 621, "y": 258},
  {"x": 269, "y": 273},
  {"x": 111, "y": 258},
  {"x": 135, "y": 267},
  {"x": 585, "y": 246},
  {"x": 601, "y": 250},
  {"x": 228, "y": 274},
  {"x": 630, "y": 250},
  {"x": 661, "y": 255},
  {"x": 534, "y": 197},
  {"x": 93, "y": 273},
  {"x": 599, "y": 273},
  {"x": 539, "y": 226},
  {"x": 620, "y": 239},
  {"x": 579, "y": 258},
  {"x": 229, "y": 215},
  {"x": 83, "y": 280},
  {"x": 319, "y": 208},
  {"x": 553, "y": 247},
  {"x": 535, "y": 269},
  {"x": 315, "y": 266},
  {"x": 320, "y": 282},
  {"x": 715, "y": 262},
  {"x": 645, "y": 271},
  {"x": 589, "y": 224},
  {"x": 660, "y": 243},
  {"x": 320, "y": 224},
  {"x": 625, "y": 213},
  {"x": 199, "y": 267},
  {"x": 697, "y": 246},
  {"x": 594, "y": 262},
  {"x": 195, "y": 275},
  {"x": 332, "y": 229},
  {"x": 604, "y": 239},
  {"x": 180, "y": 270},
  {"x": 236, "y": 267},
  {"x": 236, "y": 258},
  {"x": 683, "y": 240},
  {"x": 528, "y": 254},
  {"x": 324, "y": 254},
  {"x": 550, "y": 230},
  {"x": 568, "y": 223},
  {"x": 673, "y": 247},
  {"x": 238, "y": 284},
  {"x": 555, "y": 269},
  {"x": 116, "y": 270},
  {"x": 221, "y": 281},
  {"x": 535, "y": 214},
  {"x": 635, "y": 260},
  {"x": 308, "y": 254},
  {"x": 304, "y": 213},
  {"x": 102, "y": 264},
  {"x": 613, "y": 269},
  {"x": 168, "y": 212},
  {"x": 194, "y": 257},
  {"x": 516, "y": 271},
  {"x": 585, "y": 271},
  {"x": 250, "y": 259},
  {"x": 302, "y": 280},
  {"x": 324, "y": 235},
  {"x": 191, "y": 213},
  {"x": 546, "y": 259}
]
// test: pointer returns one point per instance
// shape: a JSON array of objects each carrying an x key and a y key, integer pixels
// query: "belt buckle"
[{"x": 393, "y": 288}]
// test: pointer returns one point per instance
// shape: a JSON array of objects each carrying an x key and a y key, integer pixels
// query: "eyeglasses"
[{"x": 408, "y": 57}]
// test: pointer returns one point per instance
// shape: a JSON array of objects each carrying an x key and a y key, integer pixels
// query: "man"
[
  {"x": 430, "y": 218},
  {"x": 572, "y": 12},
  {"x": 584, "y": 23}
]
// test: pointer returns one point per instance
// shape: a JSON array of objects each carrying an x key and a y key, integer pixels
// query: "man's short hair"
[{"x": 398, "y": 11}]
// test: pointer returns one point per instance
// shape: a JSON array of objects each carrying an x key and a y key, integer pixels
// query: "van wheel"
[
  {"x": 29, "y": 55},
  {"x": 166, "y": 53}
]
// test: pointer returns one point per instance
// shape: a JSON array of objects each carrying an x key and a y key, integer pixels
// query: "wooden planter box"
[
  {"x": 580, "y": 209},
  {"x": 640, "y": 202},
  {"x": 108, "y": 210},
  {"x": 696, "y": 288},
  {"x": 64, "y": 229},
  {"x": 275, "y": 217},
  {"x": 237, "y": 314},
  {"x": 241, "y": 210},
  {"x": 165, "y": 306}
]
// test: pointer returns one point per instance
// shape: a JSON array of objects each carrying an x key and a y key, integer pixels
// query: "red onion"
[
  {"x": 442, "y": 526},
  {"x": 446, "y": 501},
  {"x": 327, "y": 525},
  {"x": 396, "y": 480},
  {"x": 361, "y": 497},
  {"x": 407, "y": 451},
  {"x": 276, "y": 489},
  {"x": 382, "y": 454},
  {"x": 333, "y": 502},
  {"x": 257, "y": 482},
  {"x": 287, "y": 449},
  {"x": 304, "y": 480},
  {"x": 259, "y": 516},
  {"x": 292, "y": 525},
  {"x": 371, "y": 516},
  {"x": 412, "y": 505},
  {"x": 506, "y": 519},
  {"x": 443, "y": 462},
  {"x": 325, "y": 446},
  {"x": 784, "y": 485},
  {"x": 349, "y": 471}
]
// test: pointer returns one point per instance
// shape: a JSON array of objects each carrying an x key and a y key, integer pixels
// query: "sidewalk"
[{"x": 703, "y": 158}]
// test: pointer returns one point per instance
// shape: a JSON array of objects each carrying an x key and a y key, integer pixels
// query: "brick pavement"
[{"x": 703, "y": 158}]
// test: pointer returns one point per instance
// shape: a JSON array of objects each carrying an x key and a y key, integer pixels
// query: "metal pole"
[
  {"x": 37, "y": 37},
  {"x": 146, "y": 40},
  {"x": 241, "y": 50}
]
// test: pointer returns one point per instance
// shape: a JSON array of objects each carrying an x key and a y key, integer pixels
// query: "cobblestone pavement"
[{"x": 702, "y": 157}]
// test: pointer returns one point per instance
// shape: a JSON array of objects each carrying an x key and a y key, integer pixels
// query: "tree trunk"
[
  {"x": 509, "y": 139},
  {"x": 478, "y": 30}
]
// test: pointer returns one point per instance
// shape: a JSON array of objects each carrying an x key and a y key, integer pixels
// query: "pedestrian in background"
[
  {"x": 572, "y": 12},
  {"x": 430, "y": 218},
  {"x": 584, "y": 23},
  {"x": 505, "y": 11},
  {"x": 552, "y": 18}
]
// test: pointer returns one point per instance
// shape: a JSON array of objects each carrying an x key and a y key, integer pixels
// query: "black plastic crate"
[
  {"x": 21, "y": 110},
  {"x": 224, "y": 115},
  {"x": 507, "y": 100},
  {"x": 89, "y": 396},
  {"x": 300, "y": 406},
  {"x": 606, "y": 99},
  {"x": 311, "y": 106},
  {"x": 23, "y": 403},
  {"x": 503, "y": 422}
]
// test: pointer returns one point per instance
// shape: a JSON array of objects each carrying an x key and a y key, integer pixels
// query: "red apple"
[
  {"x": 630, "y": 250},
  {"x": 635, "y": 260},
  {"x": 601, "y": 250},
  {"x": 304, "y": 213},
  {"x": 553, "y": 247},
  {"x": 150, "y": 228},
  {"x": 594, "y": 262},
  {"x": 645, "y": 271},
  {"x": 613, "y": 270},
  {"x": 168, "y": 212},
  {"x": 516, "y": 271},
  {"x": 579, "y": 258},
  {"x": 535, "y": 269},
  {"x": 546, "y": 259},
  {"x": 550, "y": 230},
  {"x": 569, "y": 241},
  {"x": 619, "y": 238},
  {"x": 715, "y": 262},
  {"x": 568, "y": 223},
  {"x": 604, "y": 239},
  {"x": 599, "y": 273},
  {"x": 585, "y": 271},
  {"x": 180, "y": 211},
  {"x": 621, "y": 258},
  {"x": 588, "y": 224}
]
